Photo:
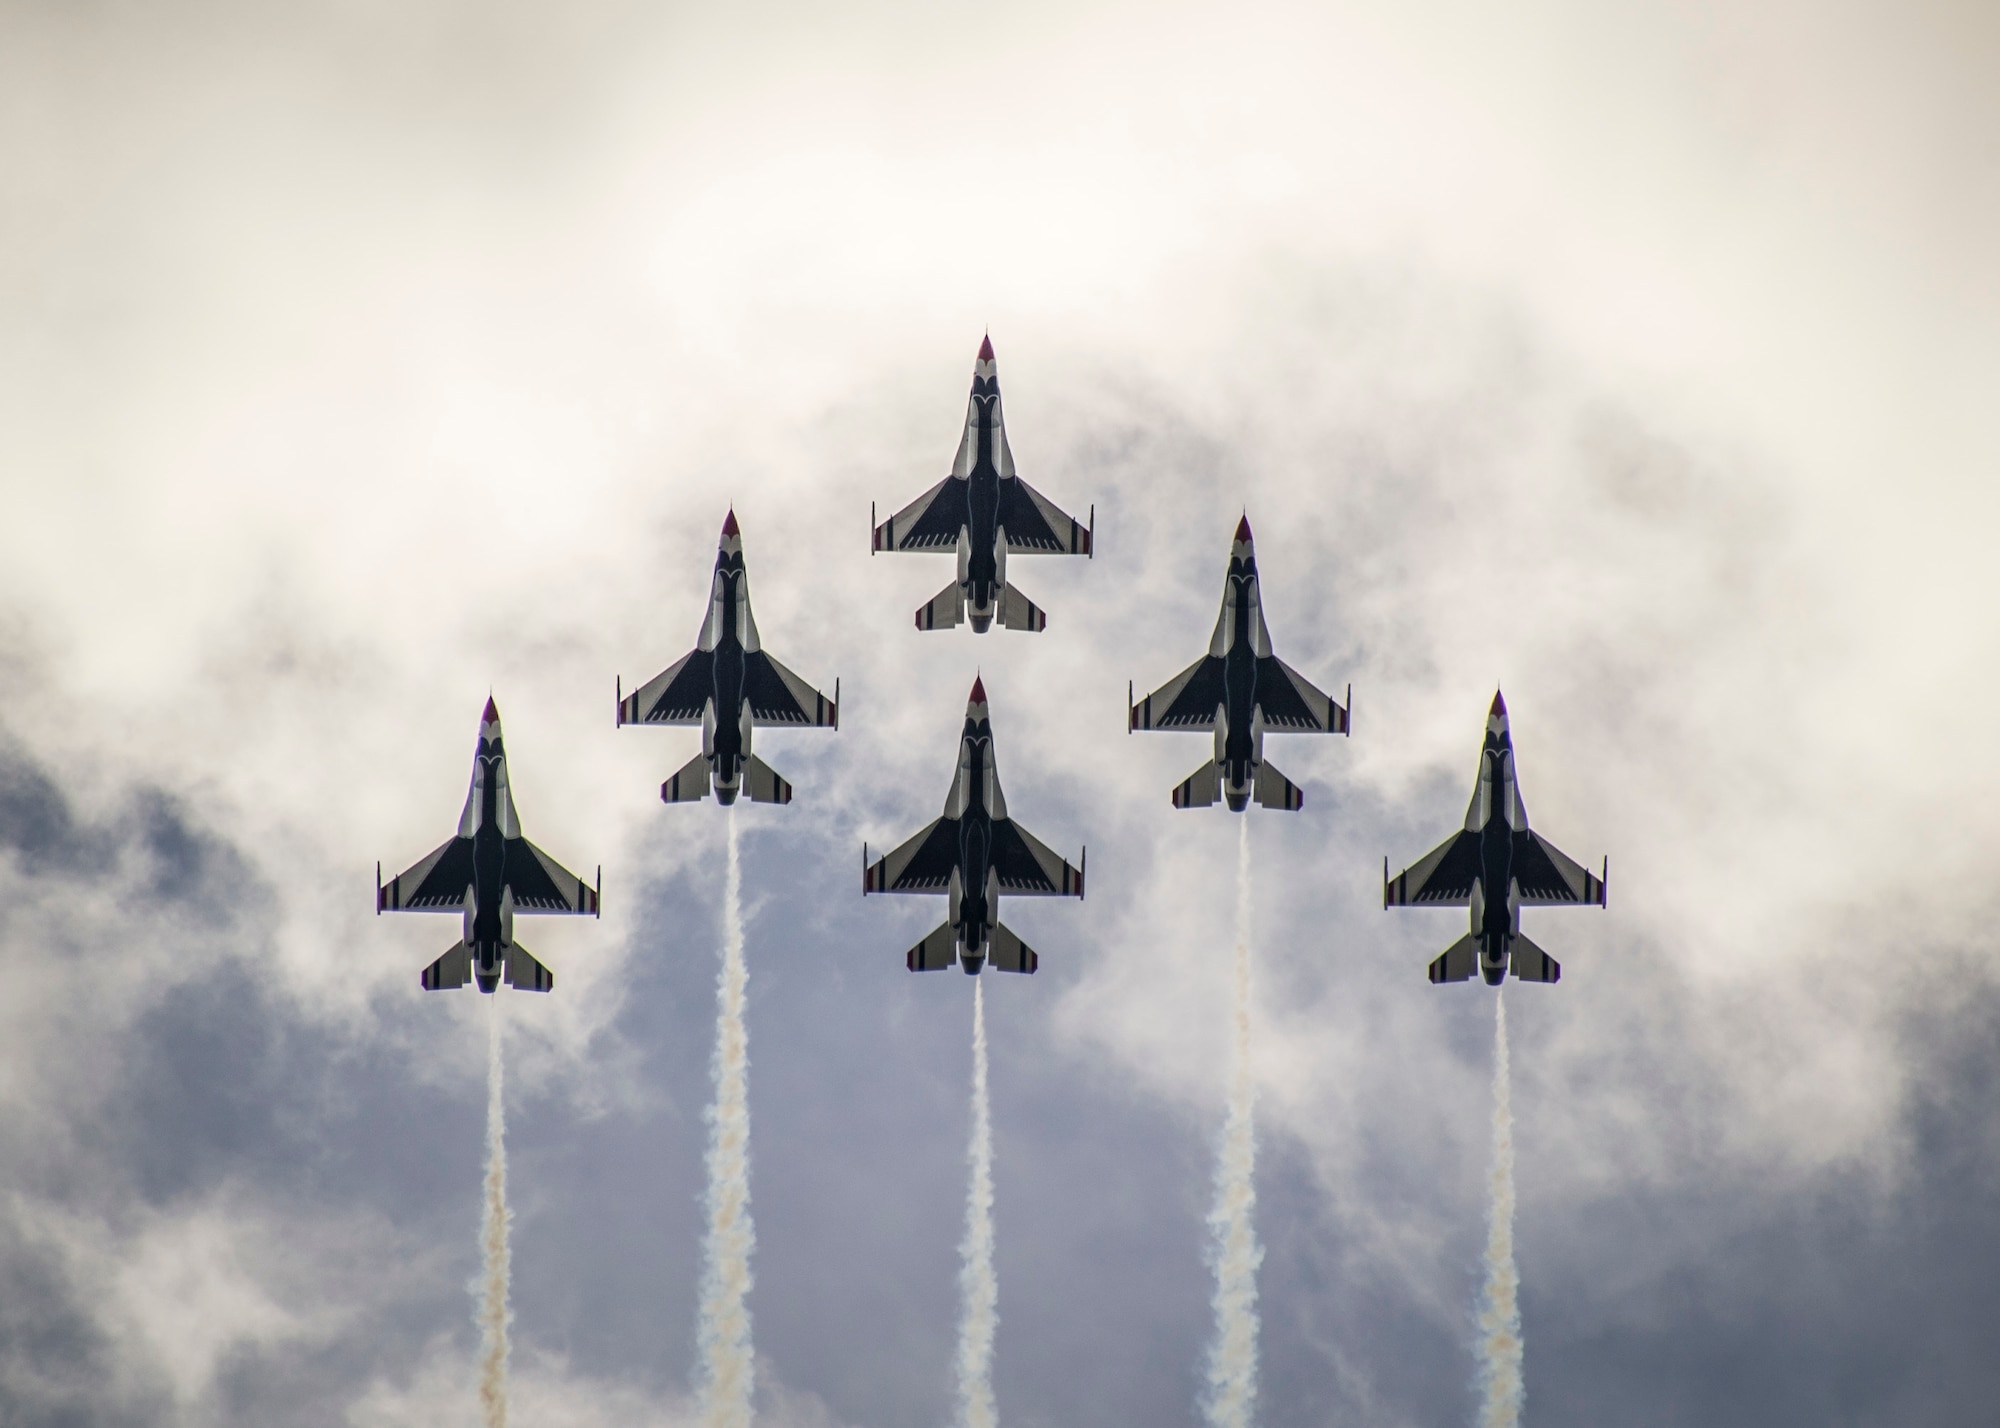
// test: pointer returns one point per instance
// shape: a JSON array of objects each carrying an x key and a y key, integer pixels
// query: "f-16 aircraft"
[
  {"x": 972, "y": 854},
  {"x": 728, "y": 685},
  {"x": 489, "y": 872},
  {"x": 1239, "y": 689},
  {"x": 986, "y": 513},
  {"x": 1495, "y": 866}
]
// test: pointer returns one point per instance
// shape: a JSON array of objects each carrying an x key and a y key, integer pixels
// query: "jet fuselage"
[
  {"x": 1239, "y": 736},
  {"x": 725, "y": 730},
  {"x": 490, "y": 918},
  {"x": 974, "y": 891},
  {"x": 1496, "y": 912},
  {"x": 982, "y": 563}
]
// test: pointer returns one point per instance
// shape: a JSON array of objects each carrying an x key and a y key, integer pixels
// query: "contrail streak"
[
  {"x": 1500, "y": 1344},
  {"x": 978, "y": 1287},
  {"x": 1232, "y": 1357},
  {"x": 727, "y": 1361},
  {"x": 495, "y": 1221}
]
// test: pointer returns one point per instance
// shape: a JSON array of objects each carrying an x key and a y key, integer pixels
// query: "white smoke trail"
[
  {"x": 1232, "y": 1357},
  {"x": 727, "y": 1361},
  {"x": 978, "y": 1286},
  {"x": 495, "y": 1222},
  {"x": 1501, "y": 1387}
]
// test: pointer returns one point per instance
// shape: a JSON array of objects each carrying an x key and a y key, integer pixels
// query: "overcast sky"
[{"x": 359, "y": 359}]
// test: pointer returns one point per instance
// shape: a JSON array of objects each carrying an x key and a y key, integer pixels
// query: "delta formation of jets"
[{"x": 984, "y": 512}]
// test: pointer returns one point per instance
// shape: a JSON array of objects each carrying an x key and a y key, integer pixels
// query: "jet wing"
[
  {"x": 1546, "y": 874},
  {"x": 1290, "y": 701},
  {"x": 777, "y": 696},
  {"x": 437, "y": 884},
  {"x": 922, "y": 865},
  {"x": 541, "y": 884},
  {"x": 1187, "y": 701},
  {"x": 1027, "y": 867},
  {"x": 1037, "y": 525},
  {"x": 1443, "y": 877},
  {"x": 931, "y": 522},
  {"x": 676, "y": 697}
]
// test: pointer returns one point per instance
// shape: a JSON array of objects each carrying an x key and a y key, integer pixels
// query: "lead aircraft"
[
  {"x": 972, "y": 854},
  {"x": 488, "y": 872},
  {"x": 1496, "y": 866},
  {"x": 1238, "y": 690},
  {"x": 986, "y": 513},
  {"x": 728, "y": 685}
]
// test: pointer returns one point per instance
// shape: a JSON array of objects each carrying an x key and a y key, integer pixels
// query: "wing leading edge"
[
  {"x": 1443, "y": 877},
  {"x": 923, "y": 864}
]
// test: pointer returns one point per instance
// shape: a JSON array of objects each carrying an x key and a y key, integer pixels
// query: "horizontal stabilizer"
[
  {"x": 762, "y": 784},
  {"x": 1532, "y": 964},
  {"x": 936, "y": 952},
  {"x": 1018, "y": 612},
  {"x": 525, "y": 974},
  {"x": 1458, "y": 962},
  {"x": 946, "y": 609},
  {"x": 690, "y": 785},
  {"x": 454, "y": 969},
  {"x": 1202, "y": 788},
  {"x": 1009, "y": 953},
  {"x": 1274, "y": 790}
]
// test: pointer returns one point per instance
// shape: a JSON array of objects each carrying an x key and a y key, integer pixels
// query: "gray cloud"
[{"x": 360, "y": 361}]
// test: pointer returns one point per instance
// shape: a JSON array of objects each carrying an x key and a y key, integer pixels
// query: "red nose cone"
[
  {"x": 1243, "y": 528},
  {"x": 978, "y": 690},
  {"x": 729, "y": 522},
  {"x": 986, "y": 349},
  {"x": 1499, "y": 705},
  {"x": 492, "y": 714}
]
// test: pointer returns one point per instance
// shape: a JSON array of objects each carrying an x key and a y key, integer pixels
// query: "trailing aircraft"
[
  {"x": 986, "y": 513},
  {"x": 972, "y": 854},
  {"x": 728, "y": 685},
  {"x": 1238, "y": 690},
  {"x": 1496, "y": 866},
  {"x": 488, "y": 872}
]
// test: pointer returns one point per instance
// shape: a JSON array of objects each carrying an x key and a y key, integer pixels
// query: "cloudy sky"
[{"x": 358, "y": 359}]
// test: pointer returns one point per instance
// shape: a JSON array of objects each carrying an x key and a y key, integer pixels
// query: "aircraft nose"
[
  {"x": 1243, "y": 528},
  {"x": 978, "y": 689},
  {"x": 986, "y": 348},
  {"x": 1499, "y": 705},
  {"x": 492, "y": 714},
  {"x": 729, "y": 524}
]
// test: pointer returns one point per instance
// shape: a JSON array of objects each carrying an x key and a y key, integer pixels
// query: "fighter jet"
[
  {"x": 1496, "y": 866},
  {"x": 728, "y": 685},
  {"x": 1239, "y": 689},
  {"x": 985, "y": 512},
  {"x": 972, "y": 854},
  {"x": 489, "y": 872}
]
